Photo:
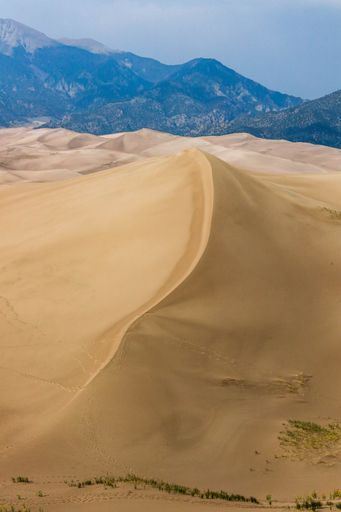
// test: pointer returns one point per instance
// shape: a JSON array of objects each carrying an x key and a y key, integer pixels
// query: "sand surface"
[
  {"x": 41, "y": 155},
  {"x": 56, "y": 497},
  {"x": 167, "y": 316}
]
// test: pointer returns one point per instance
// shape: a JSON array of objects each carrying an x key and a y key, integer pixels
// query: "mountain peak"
[
  {"x": 205, "y": 64},
  {"x": 14, "y": 34},
  {"x": 210, "y": 68}
]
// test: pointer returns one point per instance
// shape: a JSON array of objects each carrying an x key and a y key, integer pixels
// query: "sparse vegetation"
[
  {"x": 309, "y": 503},
  {"x": 315, "y": 502},
  {"x": 336, "y": 494},
  {"x": 160, "y": 485},
  {"x": 302, "y": 437},
  {"x": 14, "y": 509},
  {"x": 21, "y": 480},
  {"x": 80, "y": 484},
  {"x": 333, "y": 214},
  {"x": 312, "y": 502}
]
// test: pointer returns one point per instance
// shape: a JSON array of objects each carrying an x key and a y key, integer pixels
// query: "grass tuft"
[
  {"x": 309, "y": 503},
  {"x": 21, "y": 480},
  {"x": 15, "y": 509}
]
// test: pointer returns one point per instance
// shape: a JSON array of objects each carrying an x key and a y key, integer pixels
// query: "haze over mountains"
[
  {"x": 83, "y": 85},
  {"x": 90, "y": 88}
]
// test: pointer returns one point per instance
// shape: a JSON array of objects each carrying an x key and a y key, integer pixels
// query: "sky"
[{"x": 289, "y": 45}]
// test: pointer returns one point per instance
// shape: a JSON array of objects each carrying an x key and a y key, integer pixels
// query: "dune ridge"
[
  {"x": 93, "y": 352},
  {"x": 198, "y": 239},
  {"x": 289, "y": 380},
  {"x": 182, "y": 310}
]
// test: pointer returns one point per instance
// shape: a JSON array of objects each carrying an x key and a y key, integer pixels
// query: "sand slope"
[
  {"x": 88, "y": 257},
  {"x": 168, "y": 316}
]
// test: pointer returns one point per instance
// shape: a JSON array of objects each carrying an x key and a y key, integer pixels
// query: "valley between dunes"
[{"x": 168, "y": 307}]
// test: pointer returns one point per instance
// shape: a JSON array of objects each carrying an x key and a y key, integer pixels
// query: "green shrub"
[{"x": 269, "y": 499}]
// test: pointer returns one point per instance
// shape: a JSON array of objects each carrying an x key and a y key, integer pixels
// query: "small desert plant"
[
  {"x": 79, "y": 484},
  {"x": 309, "y": 503},
  {"x": 336, "y": 494},
  {"x": 21, "y": 480},
  {"x": 269, "y": 499}
]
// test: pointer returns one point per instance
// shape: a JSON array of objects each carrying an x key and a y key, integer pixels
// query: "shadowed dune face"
[{"x": 171, "y": 316}]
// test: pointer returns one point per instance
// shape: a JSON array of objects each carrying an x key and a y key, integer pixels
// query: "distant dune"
[
  {"x": 41, "y": 155},
  {"x": 170, "y": 316}
]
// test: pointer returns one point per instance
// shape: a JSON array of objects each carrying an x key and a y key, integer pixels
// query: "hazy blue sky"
[{"x": 290, "y": 45}]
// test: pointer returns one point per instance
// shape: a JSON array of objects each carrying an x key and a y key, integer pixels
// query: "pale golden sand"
[{"x": 168, "y": 316}]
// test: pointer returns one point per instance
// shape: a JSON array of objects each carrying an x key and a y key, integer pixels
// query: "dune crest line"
[{"x": 203, "y": 199}]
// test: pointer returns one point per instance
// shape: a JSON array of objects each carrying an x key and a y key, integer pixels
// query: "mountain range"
[
  {"x": 200, "y": 98},
  {"x": 317, "y": 121},
  {"x": 85, "y": 86}
]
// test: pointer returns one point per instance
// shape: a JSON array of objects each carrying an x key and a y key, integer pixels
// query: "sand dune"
[
  {"x": 170, "y": 316},
  {"x": 39, "y": 155},
  {"x": 50, "y": 155},
  {"x": 92, "y": 255}
]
